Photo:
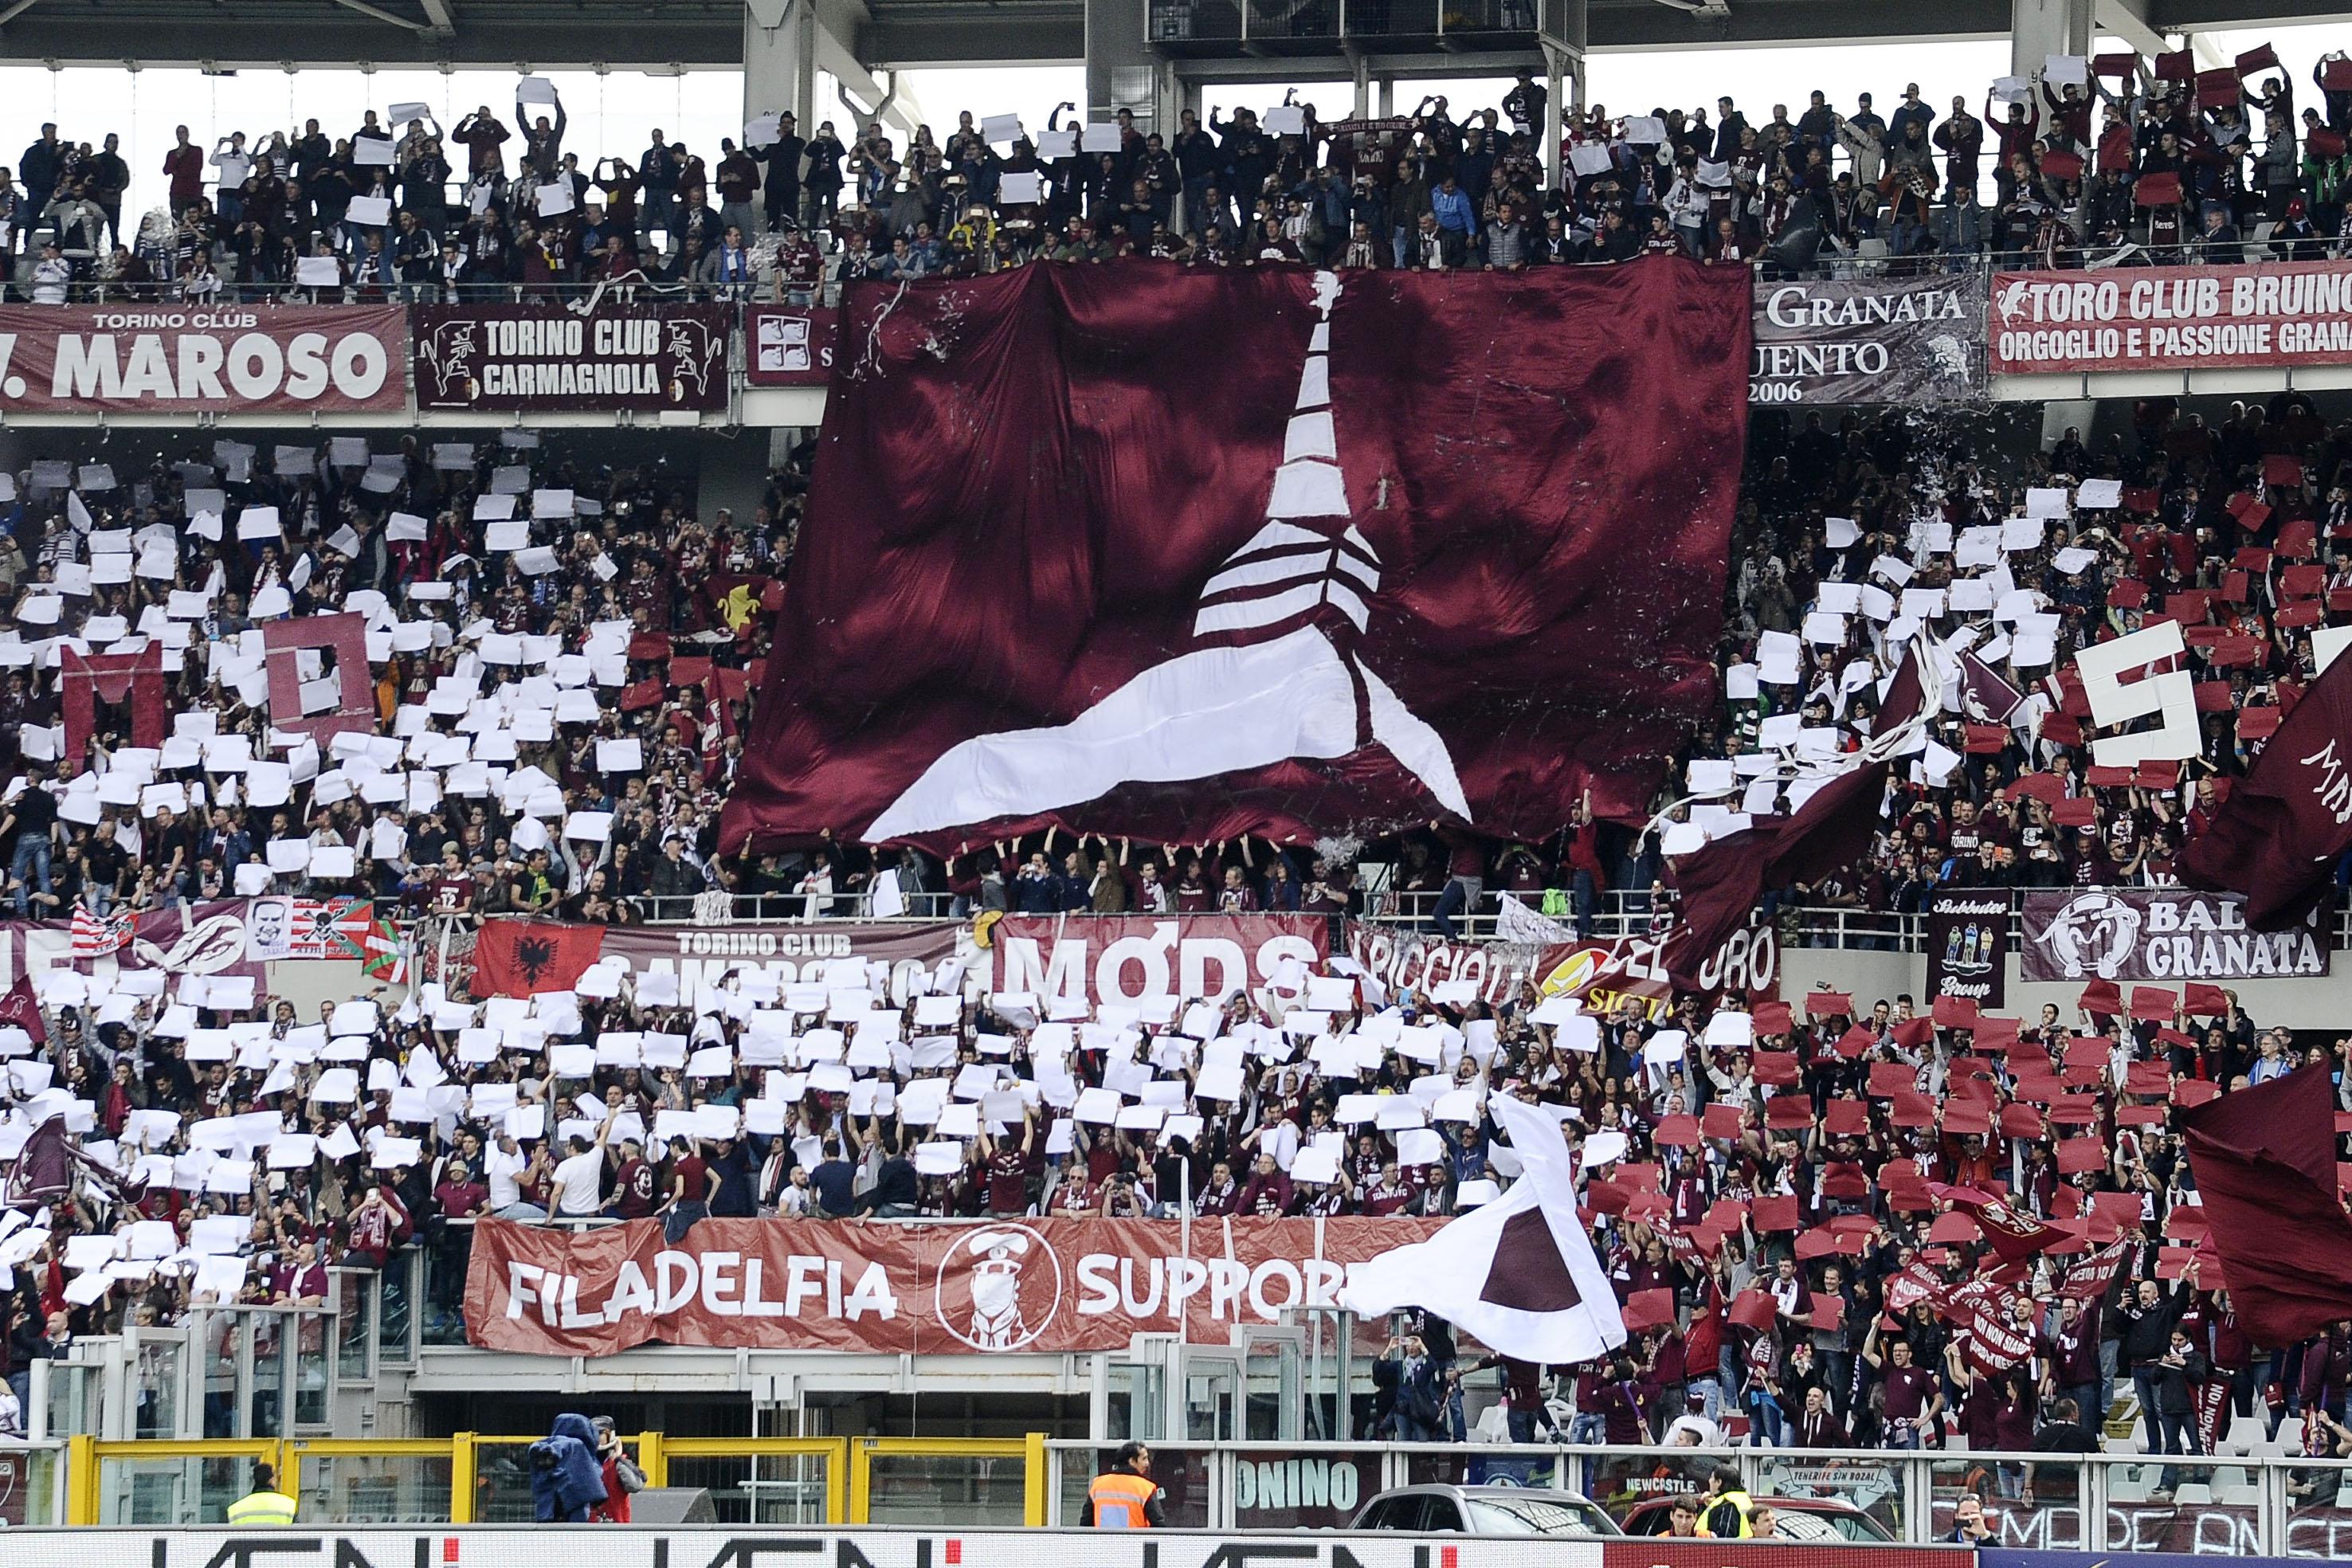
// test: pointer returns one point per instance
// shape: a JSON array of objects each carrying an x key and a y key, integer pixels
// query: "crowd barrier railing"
[
  {"x": 1616, "y": 915},
  {"x": 473, "y": 1477},
  {"x": 2233, "y": 1503}
]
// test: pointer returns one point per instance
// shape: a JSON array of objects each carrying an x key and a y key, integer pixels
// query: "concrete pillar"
[
  {"x": 1121, "y": 71},
  {"x": 779, "y": 61},
  {"x": 1563, "y": 33},
  {"x": 1558, "y": 82},
  {"x": 2040, "y": 28},
  {"x": 1363, "y": 70},
  {"x": 1387, "y": 96}
]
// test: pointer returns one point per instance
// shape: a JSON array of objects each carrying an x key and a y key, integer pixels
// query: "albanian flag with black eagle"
[
  {"x": 1195, "y": 553},
  {"x": 523, "y": 957}
]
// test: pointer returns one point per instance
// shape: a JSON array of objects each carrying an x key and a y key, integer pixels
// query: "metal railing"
[
  {"x": 2231, "y": 1503},
  {"x": 1615, "y": 916},
  {"x": 1368, "y": 21},
  {"x": 477, "y": 1477}
]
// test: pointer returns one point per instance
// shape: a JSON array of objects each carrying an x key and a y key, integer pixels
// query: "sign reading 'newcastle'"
[
  {"x": 2158, "y": 934},
  {"x": 1905, "y": 340},
  {"x": 646, "y": 357}
]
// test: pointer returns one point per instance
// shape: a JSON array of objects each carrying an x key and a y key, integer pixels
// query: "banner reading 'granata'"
[
  {"x": 1863, "y": 339},
  {"x": 505, "y": 357},
  {"x": 2172, "y": 318},
  {"x": 1044, "y": 1285},
  {"x": 1439, "y": 546},
  {"x": 234, "y": 359}
]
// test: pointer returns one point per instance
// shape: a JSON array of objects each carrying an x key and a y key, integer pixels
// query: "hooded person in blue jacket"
[{"x": 566, "y": 1478}]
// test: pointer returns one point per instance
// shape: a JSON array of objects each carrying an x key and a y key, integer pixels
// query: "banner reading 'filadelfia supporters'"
[{"x": 1046, "y": 1285}]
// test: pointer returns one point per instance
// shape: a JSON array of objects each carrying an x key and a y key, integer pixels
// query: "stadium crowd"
[
  {"x": 556, "y": 689},
  {"x": 559, "y": 661},
  {"x": 2217, "y": 167}
]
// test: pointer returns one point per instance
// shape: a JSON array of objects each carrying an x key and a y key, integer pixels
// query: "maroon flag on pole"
[
  {"x": 1720, "y": 883},
  {"x": 2286, "y": 823},
  {"x": 1432, "y": 546},
  {"x": 2264, "y": 1159}
]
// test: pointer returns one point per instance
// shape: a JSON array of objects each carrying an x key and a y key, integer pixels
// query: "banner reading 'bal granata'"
[
  {"x": 505, "y": 357},
  {"x": 2172, "y": 318},
  {"x": 1437, "y": 546},
  {"x": 232, "y": 359},
  {"x": 1044, "y": 1285},
  {"x": 2159, "y": 934}
]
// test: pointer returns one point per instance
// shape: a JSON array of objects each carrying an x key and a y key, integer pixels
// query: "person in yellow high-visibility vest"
[
  {"x": 1724, "y": 1509},
  {"x": 1125, "y": 1497},
  {"x": 265, "y": 1504}
]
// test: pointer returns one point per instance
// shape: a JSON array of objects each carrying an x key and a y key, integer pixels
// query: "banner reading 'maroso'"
[
  {"x": 1047, "y": 1285},
  {"x": 227, "y": 358}
]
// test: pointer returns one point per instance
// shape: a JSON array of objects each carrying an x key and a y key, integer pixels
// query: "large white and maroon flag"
[
  {"x": 1519, "y": 1274},
  {"x": 1187, "y": 555}
]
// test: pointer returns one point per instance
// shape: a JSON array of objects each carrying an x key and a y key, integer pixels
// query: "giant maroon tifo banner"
[
  {"x": 1141, "y": 958},
  {"x": 506, "y": 357},
  {"x": 231, "y": 358},
  {"x": 1189, "y": 554},
  {"x": 2172, "y": 318},
  {"x": 1051, "y": 1284}
]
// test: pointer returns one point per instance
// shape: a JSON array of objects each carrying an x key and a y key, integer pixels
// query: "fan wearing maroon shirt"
[
  {"x": 1909, "y": 1398},
  {"x": 1221, "y": 1196},
  {"x": 1007, "y": 1167},
  {"x": 1267, "y": 1192},
  {"x": 633, "y": 1181},
  {"x": 301, "y": 1282}
]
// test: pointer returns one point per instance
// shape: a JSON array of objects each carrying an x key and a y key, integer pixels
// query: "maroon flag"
[
  {"x": 2092, "y": 1276},
  {"x": 2264, "y": 1159},
  {"x": 19, "y": 1006},
  {"x": 1437, "y": 546},
  {"x": 2286, "y": 823},
  {"x": 2013, "y": 1233},
  {"x": 42, "y": 1169},
  {"x": 1720, "y": 883},
  {"x": 1985, "y": 696}
]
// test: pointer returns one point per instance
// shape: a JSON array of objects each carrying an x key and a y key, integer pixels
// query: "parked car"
[
  {"x": 1484, "y": 1510},
  {"x": 1822, "y": 1520}
]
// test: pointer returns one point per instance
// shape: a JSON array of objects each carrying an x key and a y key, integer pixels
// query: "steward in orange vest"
[{"x": 1125, "y": 1497}]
